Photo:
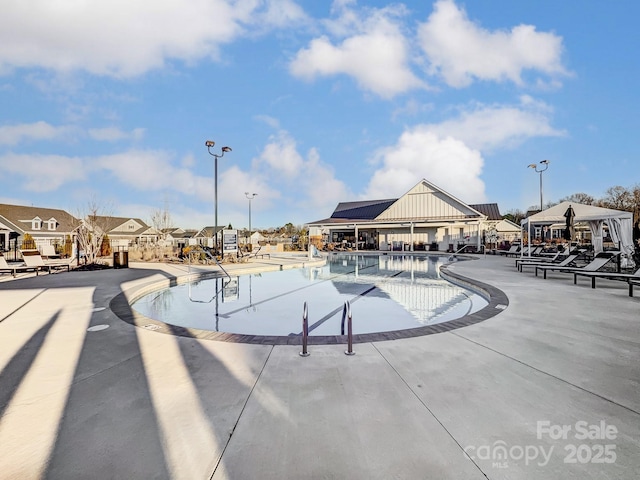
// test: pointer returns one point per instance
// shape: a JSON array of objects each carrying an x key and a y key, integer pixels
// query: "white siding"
[{"x": 424, "y": 201}]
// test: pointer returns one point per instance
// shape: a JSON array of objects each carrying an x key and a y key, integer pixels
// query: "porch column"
[
  {"x": 411, "y": 240},
  {"x": 356, "y": 235}
]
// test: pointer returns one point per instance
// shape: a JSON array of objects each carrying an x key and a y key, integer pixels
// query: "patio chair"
[
  {"x": 14, "y": 269},
  {"x": 562, "y": 259},
  {"x": 518, "y": 251},
  {"x": 48, "y": 251},
  {"x": 513, "y": 249},
  {"x": 629, "y": 277},
  {"x": 599, "y": 261},
  {"x": 34, "y": 260},
  {"x": 61, "y": 263}
]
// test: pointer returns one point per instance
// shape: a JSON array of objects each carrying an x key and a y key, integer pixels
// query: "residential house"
[
  {"x": 125, "y": 231},
  {"x": 47, "y": 226}
]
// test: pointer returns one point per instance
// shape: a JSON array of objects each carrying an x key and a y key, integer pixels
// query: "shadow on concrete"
[
  {"x": 14, "y": 372},
  {"x": 110, "y": 427}
]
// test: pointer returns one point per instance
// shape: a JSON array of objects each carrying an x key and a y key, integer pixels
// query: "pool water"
[{"x": 386, "y": 293}]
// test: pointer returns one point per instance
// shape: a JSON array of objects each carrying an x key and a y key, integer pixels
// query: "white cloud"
[
  {"x": 488, "y": 128},
  {"x": 449, "y": 153},
  {"x": 462, "y": 51},
  {"x": 376, "y": 55},
  {"x": 14, "y": 134},
  {"x": 309, "y": 180},
  {"x": 121, "y": 38},
  {"x": 281, "y": 155},
  {"x": 43, "y": 173},
  {"x": 150, "y": 170},
  {"x": 420, "y": 153},
  {"x": 114, "y": 134}
]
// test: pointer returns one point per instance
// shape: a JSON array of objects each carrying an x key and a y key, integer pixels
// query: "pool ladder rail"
[
  {"x": 225, "y": 283},
  {"x": 346, "y": 315}
]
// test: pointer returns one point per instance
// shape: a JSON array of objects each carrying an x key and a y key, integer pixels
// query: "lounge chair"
[
  {"x": 561, "y": 259},
  {"x": 513, "y": 249},
  {"x": 14, "y": 269},
  {"x": 34, "y": 260},
  {"x": 599, "y": 261},
  {"x": 48, "y": 251},
  {"x": 629, "y": 277}
]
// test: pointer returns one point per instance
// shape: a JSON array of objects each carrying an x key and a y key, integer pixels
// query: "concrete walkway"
[{"x": 85, "y": 395}]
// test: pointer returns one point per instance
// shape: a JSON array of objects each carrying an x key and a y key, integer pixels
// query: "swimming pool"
[{"x": 386, "y": 292}]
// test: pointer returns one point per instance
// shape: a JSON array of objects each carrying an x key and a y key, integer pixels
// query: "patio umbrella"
[{"x": 568, "y": 231}]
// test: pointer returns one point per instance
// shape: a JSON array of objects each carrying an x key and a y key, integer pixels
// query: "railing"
[
  {"x": 305, "y": 330},
  {"x": 346, "y": 316},
  {"x": 215, "y": 259}
]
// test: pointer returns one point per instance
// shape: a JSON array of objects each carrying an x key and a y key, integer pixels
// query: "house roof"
[
  {"x": 113, "y": 224},
  {"x": 207, "y": 232},
  {"x": 19, "y": 217},
  {"x": 491, "y": 210},
  {"x": 364, "y": 210},
  {"x": 424, "y": 202}
]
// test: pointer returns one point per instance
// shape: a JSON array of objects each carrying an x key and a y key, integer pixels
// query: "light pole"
[
  {"x": 250, "y": 196},
  {"x": 209, "y": 144},
  {"x": 545, "y": 164}
]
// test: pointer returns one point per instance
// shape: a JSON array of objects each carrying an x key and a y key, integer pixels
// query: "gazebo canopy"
[
  {"x": 620, "y": 222},
  {"x": 583, "y": 213}
]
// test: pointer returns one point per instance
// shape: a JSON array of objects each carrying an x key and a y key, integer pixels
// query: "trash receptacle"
[{"x": 120, "y": 259}]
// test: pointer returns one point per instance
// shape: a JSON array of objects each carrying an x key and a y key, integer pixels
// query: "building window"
[
  {"x": 36, "y": 224},
  {"x": 52, "y": 225},
  {"x": 132, "y": 227}
]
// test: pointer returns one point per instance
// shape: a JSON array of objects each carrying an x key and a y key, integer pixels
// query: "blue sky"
[{"x": 321, "y": 102}]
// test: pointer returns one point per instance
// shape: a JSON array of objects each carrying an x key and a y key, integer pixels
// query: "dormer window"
[
  {"x": 36, "y": 223},
  {"x": 51, "y": 224}
]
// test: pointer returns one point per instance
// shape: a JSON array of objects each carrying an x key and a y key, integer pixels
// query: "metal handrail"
[
  {"x": 347, "y": 310},
  {"x": 224, "y": 283},
  {"x": 305, "y": 330}
]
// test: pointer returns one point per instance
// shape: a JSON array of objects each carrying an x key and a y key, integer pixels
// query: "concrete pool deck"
[{"x": 517, "y": 392}]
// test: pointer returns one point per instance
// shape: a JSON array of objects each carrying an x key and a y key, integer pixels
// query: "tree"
[
  {"x": 583, "y": 198},
  {"x": 514, "y": 215},
  {"x": 635, "y": 200},
  {"x": 28, "y": 243},
  {"x": 105, "y": 247},
  {"x": 618, "y": 198},
  {"x": 288, "y": 229},
  {"x": 93, "y": 223},
  {"x": 161, "y": 221}
]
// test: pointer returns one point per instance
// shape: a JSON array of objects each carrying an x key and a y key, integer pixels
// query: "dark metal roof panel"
[
  {"x": 491, "y": 210},
  {"x": 364, "y": 210}
]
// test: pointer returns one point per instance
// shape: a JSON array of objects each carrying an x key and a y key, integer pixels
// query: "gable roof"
[
  {"x": 425, "y": 201},
  {"x": 19, "y": 217},
  {"x": 113, "y": 225},
  {"x": 428, "y": 201}
]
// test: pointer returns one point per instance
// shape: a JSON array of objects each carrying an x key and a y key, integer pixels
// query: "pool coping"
[{"x": 497, "y": 301}]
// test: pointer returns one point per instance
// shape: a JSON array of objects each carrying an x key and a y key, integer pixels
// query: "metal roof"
[
  {"x": 363, "y": 210},
  {"x": 491, "y": 210}
]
